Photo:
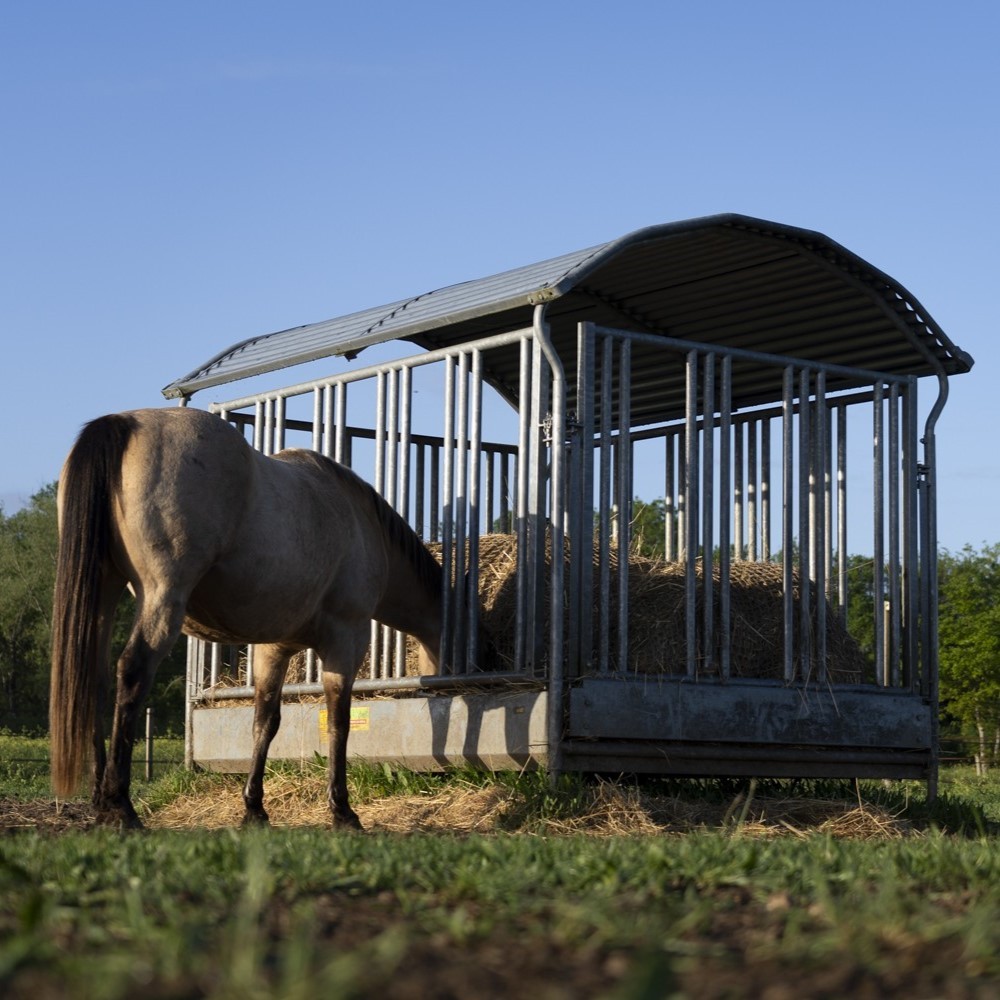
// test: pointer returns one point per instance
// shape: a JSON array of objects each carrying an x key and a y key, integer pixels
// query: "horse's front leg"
[
  {"x": 337, "y": 687},
  {"x": 270, "y": 667}
]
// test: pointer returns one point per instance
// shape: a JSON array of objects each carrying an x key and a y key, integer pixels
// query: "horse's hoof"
[
  {"x": 347, "y": 821},
  {"x": 118, "y": 819},
  {"x": 258, "y": 820}
]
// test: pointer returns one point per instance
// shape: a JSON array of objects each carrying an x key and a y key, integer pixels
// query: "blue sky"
[{"x": 179, "y": 176}]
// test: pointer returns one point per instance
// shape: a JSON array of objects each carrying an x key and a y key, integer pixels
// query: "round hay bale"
[{"x": 656, "y": 616}]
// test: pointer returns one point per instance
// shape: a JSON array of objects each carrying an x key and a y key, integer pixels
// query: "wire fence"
[{"x": 152, "y": 755}]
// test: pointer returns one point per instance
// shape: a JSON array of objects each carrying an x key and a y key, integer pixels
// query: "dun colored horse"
[{"x": 219, "y": 541}]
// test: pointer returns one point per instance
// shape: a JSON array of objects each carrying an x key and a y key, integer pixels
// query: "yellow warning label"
[{"x": 360, "y": 720}]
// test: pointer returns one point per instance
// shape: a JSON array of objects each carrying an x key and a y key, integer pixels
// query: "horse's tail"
[{"x": 90, "y": 479}]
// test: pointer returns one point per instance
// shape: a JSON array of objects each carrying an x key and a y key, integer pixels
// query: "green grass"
[
  {"x": 261, "y": 913},
  {"x": 24, "y": 764},
  {"x": 307, "y": 912}
]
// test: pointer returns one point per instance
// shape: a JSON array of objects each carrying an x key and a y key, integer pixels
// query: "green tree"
[
  {"x": 27, "y": 573},
  {"x": 648, "y": 528},
  {"x": 28, "y": 540},
  {"x": 861, "y": 603},
  {"x": 969, "y": 632}
]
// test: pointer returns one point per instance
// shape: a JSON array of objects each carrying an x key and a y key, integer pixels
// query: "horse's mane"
[{"x": 399, "y": 534}]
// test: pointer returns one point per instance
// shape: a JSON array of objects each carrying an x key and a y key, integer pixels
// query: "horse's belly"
[
  {"x": 211, "y": 633},
  {"x": 246, "y": 623}
]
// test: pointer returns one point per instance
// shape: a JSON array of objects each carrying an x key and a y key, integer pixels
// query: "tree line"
[
  {"x": 969, "y": 615},
  {"x": 28, "y": 541}
]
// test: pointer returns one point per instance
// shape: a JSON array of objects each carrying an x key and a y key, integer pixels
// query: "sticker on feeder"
[{"x": 360, "y": 720}]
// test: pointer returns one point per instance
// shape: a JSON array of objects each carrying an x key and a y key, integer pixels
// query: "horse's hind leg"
[
  {"x": 111, "y": 592},
  {"x": 157, "y": 626},
  {"x": 270, "y": 667}
]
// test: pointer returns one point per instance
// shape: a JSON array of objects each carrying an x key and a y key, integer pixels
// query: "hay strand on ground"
[{"x": 604, "y": 809}]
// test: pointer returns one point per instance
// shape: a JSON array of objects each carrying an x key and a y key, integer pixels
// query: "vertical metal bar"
[
  {"x": 420, "y": 489},
  {"x": 403, "y": 486},
  {"x": 582, "y": 544},
  {"x": 258, "y": 425},
  {"x": 379, "y": 635},
  {"x": 752, "y": 525},
  {"x": 931, "y": 678},
  {"x": 893, "y": 528},
  {"x": 192, "y": 690},
  {"x": 878, "y": 540},
  {"x": 738, "y": 498},
  {"x": 491, "y": 458},
  {"x": 340, "y": 447},
  {"x": 375, "y": 651},
  {"x": 391, "y": 446},
  {"x": 828, "y": 512},
  {"x": 505, "y": 494},
  {"x": 536, "y": 508},
  {"x": 524, "y": 460},
  {"x": 215, "y": 663},
  {"x": 708, "y": 513},
  {"x": 787, "y": 500},
  {"x": 149, "y": 744},
  {"x": 842, "y": 509},
  {"x": 475, "y": 450},
  {"x": 279, "y": 424},
  {"x": 691, "y": 507},
  {"x": 555, "y": 714},
  {"x": 380, "y": 433},
  {"x": 461, "y": 514},
  {"x": 624, "y": 494},
  {"x": 435, "y": 500},
  {"x": 269, "y": 436},
  {"x": 317, "y": 428},
  {"x": 818, "y": 503},
  {"x": 604, "y": 508},
  {"x": 725, "y": 500},
  {"x": 447, "y": 517},
  {"x": 910, "y": 595},
  {"x": 328, "y": 420},
  {"x": 615, "y": 513},
  {"x": 806, "y": 515},
  {"x": 922, "y": 666},
  {"x": 765, "y": 489}
]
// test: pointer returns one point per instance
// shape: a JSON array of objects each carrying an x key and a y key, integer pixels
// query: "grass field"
[{"x": 663, "y": 889}]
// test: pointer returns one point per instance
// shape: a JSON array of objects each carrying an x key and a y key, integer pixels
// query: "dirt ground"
[{"x": 722, "y": 957}]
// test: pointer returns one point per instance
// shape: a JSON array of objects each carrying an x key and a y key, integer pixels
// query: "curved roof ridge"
[{"x": 669, "y": 272}]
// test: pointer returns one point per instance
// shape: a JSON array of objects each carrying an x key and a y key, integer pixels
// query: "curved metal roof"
[{"x": 725, "y": 279}]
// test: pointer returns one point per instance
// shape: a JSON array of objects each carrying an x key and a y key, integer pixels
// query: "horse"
[{"x": 288, "y": 552}]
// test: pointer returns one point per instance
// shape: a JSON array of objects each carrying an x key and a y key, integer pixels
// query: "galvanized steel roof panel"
[{"x": 725, "y": 279}]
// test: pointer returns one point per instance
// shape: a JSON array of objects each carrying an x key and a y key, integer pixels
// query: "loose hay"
[{"x": 606, "y": 809}]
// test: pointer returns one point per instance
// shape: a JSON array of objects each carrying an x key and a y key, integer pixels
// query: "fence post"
[{"x": 149, "y": 744}]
